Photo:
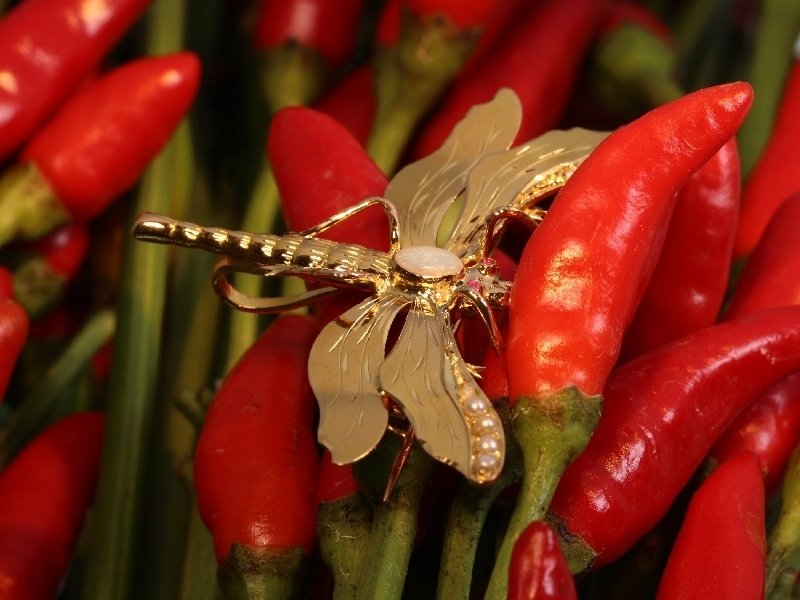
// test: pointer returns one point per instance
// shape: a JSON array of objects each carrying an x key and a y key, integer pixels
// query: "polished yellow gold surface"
[{"x": 352, "y": 372}]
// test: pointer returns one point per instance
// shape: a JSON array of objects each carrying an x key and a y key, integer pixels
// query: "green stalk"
[
  {"x": 36, "y": 408},
  {"x": 410, "y": 78},
  {"x": 343, "y": 527},
  {"x": 783, "y": 558},
  {"x": 394, "y": 523},
  {"x": 112, "y": 569},
  {"x": 199, "y": 573},
  {"x": 467, "y": 516},
  {"x": 551, "y": 430},
  {"x": 778, "y": 28}
]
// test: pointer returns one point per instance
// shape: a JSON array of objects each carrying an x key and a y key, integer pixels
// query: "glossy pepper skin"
[
  {"x": 581, "y": 276},
  {"x": 103, "y": 138},
  {"x": 44, "y": 494},
  {"x": 770, "y": 425},
  {"x": 255, "y": 467},
  {"x": 770, "y": 181},
  {"x": 538, "y": 58},
  {"x": 688, "y": 284},
  {"x": 47, "y": 47},
  {"x": 327, "y": 26},
  {"x": 661, "y": 415},
  {"x": 13, "y": 334},
  {"x": 538, "y": 570},
  {"x": 720, "y": 550}
]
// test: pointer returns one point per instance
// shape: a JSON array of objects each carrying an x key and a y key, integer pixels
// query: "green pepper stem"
[
  {"x": 783, "y": 559},
  {"x": 260, "y": 573},
  {"x": 35, "y": 409},
  {"x": 551, "y": 430},
  {"x": 343, "y": 527}
]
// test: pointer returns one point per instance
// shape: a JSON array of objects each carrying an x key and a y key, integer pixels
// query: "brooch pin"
[{"x": 358, "y": 382}]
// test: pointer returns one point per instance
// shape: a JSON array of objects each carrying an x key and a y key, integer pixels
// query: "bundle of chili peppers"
[{"x": 156, "y": 443}]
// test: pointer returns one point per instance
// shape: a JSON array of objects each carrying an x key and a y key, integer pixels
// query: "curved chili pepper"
[
  {"x": 50, "y": 264},
  {"x": 255, "y": 467},
  {"x": 538, "y": 58},
  {"x": 720, "y": 549},
  {"x": 770, "y": 181},
  {"x": 581, "y": 276},
  {"x": 44, "y": 494},
  {"x": 352, "y": 103},
  {"x": 662, "y": 413},
  {"x": 47, "y": 47},
  {"x": 770, "y": 425},
  {"x": 538, "y": 570},
  {"x": 13, "y": 334},
  {"x": 99, "y": 143},
  {"x": 686, "y": 289}
]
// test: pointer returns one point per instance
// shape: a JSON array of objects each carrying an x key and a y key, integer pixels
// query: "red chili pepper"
[
  {"x": 771, "y": 181},
  {"x": 721, "y": 546},
  {"x": 101, "y": 141},
  {"x": 255, "y": 467},
  {"x": 50, "y": 264},
  {"x": 44, "y": 494},
  {"x": 629, "y": 13},
  {"x": 662, "y": 413},
  {"x": 582, "y": 274},
  {"x": 686, "y": 289},
  {"x": 771, "y": 276},
  {"x": 770, "y": 425},
  {"x": 538, "y": 570},
  {"x": 6, "y": 284},
  {"x": 13, "y": 334},
  {"x": 327, "y": 26},
  {"x": 335, "y": 481},
  {"x": 47, "y": 47},
  {"x": 538, "y": 59},
  {"x": 352, "y": 103}
]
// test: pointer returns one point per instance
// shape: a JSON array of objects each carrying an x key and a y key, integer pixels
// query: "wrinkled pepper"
[
  {"x": 538, "y": 58},
  {"x": 255, "y": 466},
  {"x": 686, "y": 289},
  {"x": 47, "y": 48},
  {"x": 581, "y": 276},
  {"x": 44, "y": 495},
  {"x": 662, "y": 413},
  {"x": 538, "y": 570},
  {"x": 720, "y": 549},
  {"x": 98, "y": 145}
]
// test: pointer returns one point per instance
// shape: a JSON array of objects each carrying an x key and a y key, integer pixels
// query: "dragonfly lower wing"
[
  {"x": 452, "y": 418},
  {"x": 343, "y": 371}
]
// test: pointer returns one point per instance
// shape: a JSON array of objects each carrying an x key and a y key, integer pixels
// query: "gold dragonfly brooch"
[{"x": 358, "y": 382}]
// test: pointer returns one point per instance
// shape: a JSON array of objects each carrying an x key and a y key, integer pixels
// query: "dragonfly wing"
[
  {"x": 518, "y": 178},
  {"x": 343, "y": 372},
  {"x": 450, "y": 414},
  {"x": 424, "y": 190}
]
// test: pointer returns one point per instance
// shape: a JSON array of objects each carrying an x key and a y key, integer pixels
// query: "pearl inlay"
[{"x": 428, "y": 262}]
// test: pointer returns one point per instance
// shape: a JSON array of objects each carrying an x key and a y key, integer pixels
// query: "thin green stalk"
[
  {"x": 783, "y": 559},
  {"x": 394, "y": 524},
  {"x": 343, "y": 527},
  {"x": 778, "y": 28},
  {"x": 551, "y": 430},
  {"x": 199, "y": 573},
  {"x": 36, "y": 408},
  {"x": 112, "y": 561},
  {"x": 466, "y": 519}
]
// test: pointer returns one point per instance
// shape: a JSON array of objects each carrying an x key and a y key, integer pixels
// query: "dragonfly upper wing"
[
  {"x": 424, "y": 190},
  {"x": 426, "y": 375},
  {"x": 519, "y": 177},
  {"x": 343, "y": 372}
]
